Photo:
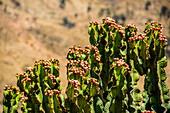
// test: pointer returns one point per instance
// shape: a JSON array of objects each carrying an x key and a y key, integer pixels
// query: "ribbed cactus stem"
[
  {"x": 107, "y": 38},
  {"x": 41, "y": 86},
  {"x": 11, "y": 99},
  {"x": 119, "y": 88},
  {"x": 133, "y": 93},
  {"x": 154, "y": 83},
  {"x": 81, "y": 87}
]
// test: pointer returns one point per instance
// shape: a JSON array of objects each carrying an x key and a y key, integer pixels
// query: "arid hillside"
[{"x": 43, "y": 29}]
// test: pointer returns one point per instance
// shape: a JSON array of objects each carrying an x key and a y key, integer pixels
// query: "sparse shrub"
[
  {"x": 1, "y": 3},
  {"x": 37, "y": 31},
  {"x": 164, "y": 10},
  {"x": 65, "y": 20},
  {"x": 122, "y": 16},
  {"x": 67, "y": 23},
  {"x": 148, "y": 3},
  {"x": 101, "y": 12},
  {"x": 44, "y": 35},
  {"x": 102, "y": 77},
  {"x": 169, "y": 14},
  {"x": 62, "y": 4},
  {"x": 119, "y": 17},
  {"x": 32, "y": 45},
  {"x": 88, "y": 9},
  {"x": 5, "y": 9},
  {"x": 116, "y": 17},
  {"x": 52, "y": 13},
  {"x": 16, "y": 3},
  {"x": 34, "y": 18},
  {"x": 149, "y": 19},
  {"x": 16, "y": 15},
  {"x": 76, "y": 15},
  {"x": 108, "y": 12}
]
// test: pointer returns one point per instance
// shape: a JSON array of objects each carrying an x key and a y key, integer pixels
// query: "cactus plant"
[
  {"x": 11, "y": 99},
  {"x": 138, "y": 50},
  {"x": 102, "y": 77},
  {"x": 154, "y": 81},
  {"x": 41, "y": 87},
  {"x": 82, "y": 87}
]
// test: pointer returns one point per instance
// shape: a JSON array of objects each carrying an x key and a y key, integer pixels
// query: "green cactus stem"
[
  {"x": 81, "y": 87},
  {"x": 149, "y": 59},
  {"x": 134, "y": 95},
  {"x": 41, "y": 87},
  {"x": 119, "y": 87},
  {"x": 11, "y": 99},
  {"x": 110, "y": 40},
  {"x": 107, "y": 38}
]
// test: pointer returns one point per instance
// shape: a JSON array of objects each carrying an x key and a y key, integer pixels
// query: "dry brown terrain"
[{"x": 43, "y": 29}]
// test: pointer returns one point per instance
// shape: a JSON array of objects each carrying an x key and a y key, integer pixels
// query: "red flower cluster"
[
  {"x": 121, "y": 62},
  {"x": 53, "y": 78},
  {"x": 76, "y": 84},
  {"x": 94, "y": 23},
  {"x": 78, "y": 51},
  {"x": 25, "y": 79},
  {"x": 51, "y": 92},
  {"x": 93, "y": 80},
  {"x": 8, "y": 87},
  {"x": 148, "y": 111},
  {"x": 96, "y": 53},
  {"x": 29, "y": 69},
  {"x": 109, "y": 21},
  {"x": 133, "y": 26},
  {"x": 24, "y": 76},
  {"x": 23, "y": 98},
  {"x": 115, "y": 26},
  {"x": 84, "y": 66},
  {"x": 46, "y": 63},
  {"x": 156, "y": 26},
  {"x": 138, "y": 37}
]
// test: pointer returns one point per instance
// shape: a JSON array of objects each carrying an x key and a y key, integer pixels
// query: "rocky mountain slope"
[{"x": 43, "y": 29}]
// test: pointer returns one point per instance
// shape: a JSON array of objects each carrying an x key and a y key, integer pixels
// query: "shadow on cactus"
[{"x": 102, "y": 77}]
